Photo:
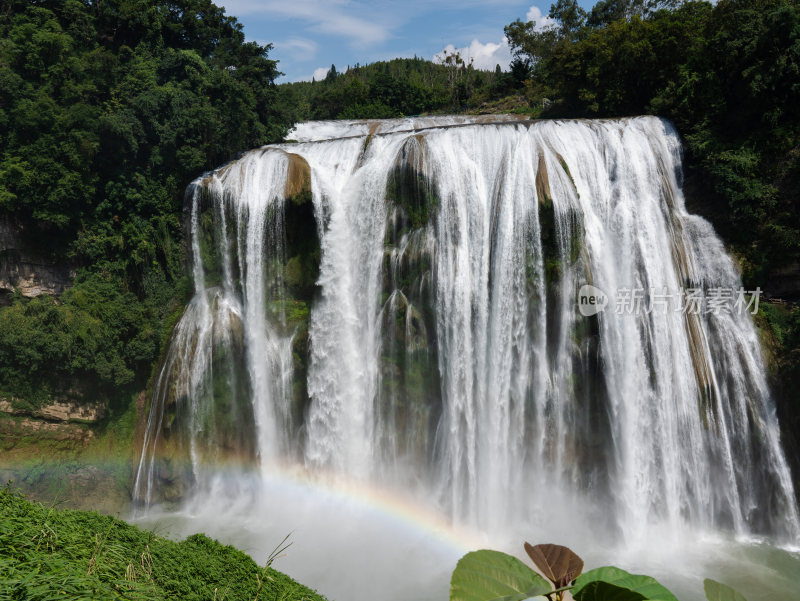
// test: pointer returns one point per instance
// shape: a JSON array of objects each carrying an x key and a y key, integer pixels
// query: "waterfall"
[{"x": 396, "y": 302}]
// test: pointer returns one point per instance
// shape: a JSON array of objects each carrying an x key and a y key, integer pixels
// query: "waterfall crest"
[{"x": 396, "y": 302}]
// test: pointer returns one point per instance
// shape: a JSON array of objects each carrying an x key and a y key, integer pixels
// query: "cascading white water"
[
  {"x": 233, "y": 335},
  {"x": 446, "y": 353}
]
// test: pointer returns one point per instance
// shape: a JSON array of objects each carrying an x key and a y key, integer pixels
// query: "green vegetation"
[
  {"x": 484, "y": 575},
  {"x": 493, "y": 576},
  {"x": 90, "y": 341},
  {"x": 107, "y": 111},
  {"x": 397, "y": 88},
  {"x": 780, "y": 338},
  {"x": 46, "y": 553}
]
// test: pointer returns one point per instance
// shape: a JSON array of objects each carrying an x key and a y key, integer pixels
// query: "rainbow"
[
  {"x": 282, "y": 482},
  {"x": 392, "y": 505}
]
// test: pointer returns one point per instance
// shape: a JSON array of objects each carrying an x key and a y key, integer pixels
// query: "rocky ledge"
[{"x": 57, "y": 411}]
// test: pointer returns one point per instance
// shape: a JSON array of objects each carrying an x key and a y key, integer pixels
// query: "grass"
[{"x": 48, "y": 553}]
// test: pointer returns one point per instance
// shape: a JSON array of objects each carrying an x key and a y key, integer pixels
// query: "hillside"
[
  {"x": 107, "y": 111},
  {"x": 50, "y": 553},
  {"x": 403, "y": 87}
]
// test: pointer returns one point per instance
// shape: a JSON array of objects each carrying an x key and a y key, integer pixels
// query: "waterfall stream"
[{"x": 394, "y": 303}]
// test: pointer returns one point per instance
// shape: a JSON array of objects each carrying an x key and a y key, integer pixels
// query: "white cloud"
[
  {"x": 360, "y": 32},
  {"x": 542, "y": 21},
  {"x": 483, "y": 56},
  {"x": 300, "y": 48},
  {"x": 325, "y": 16},
  {"x": 318, "y": 75}
]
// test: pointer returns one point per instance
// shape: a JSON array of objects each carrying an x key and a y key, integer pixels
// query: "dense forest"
[
  {"x": 407, "y": 86},
  {"x": 108, "y": 109}
]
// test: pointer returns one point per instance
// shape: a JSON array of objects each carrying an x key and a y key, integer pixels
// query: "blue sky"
[{"x": 310, "y": 35}]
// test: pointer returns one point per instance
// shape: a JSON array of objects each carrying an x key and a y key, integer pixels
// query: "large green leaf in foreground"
[
  {"x": 491, "y": 575},
  {"x": 592, "y": 586},
  {"x": 603, "y": 591}
]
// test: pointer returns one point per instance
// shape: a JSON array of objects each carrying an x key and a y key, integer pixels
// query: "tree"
[
  {"x": 530, "y": 45},
  {"x": 332, "y": 74},
  {"x": 569, "y": 15}
]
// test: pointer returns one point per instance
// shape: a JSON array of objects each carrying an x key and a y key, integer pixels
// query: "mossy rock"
[
  {"x": 301, "y": 272},
  {"x": 227, "y": 424},
  {"x": 408, "y": 188},
  {"x": 303, "y": 251}
]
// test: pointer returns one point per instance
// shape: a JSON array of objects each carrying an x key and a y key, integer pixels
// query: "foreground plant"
[{"x": 495, "y": 576}]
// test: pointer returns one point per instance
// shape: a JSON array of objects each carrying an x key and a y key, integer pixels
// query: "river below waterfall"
[{"x": 357, "y": 545}]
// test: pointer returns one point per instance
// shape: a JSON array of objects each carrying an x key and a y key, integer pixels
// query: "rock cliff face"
[
  {"x": 58, "y": 411},
  {"x": 25, "y": 264},
  {"x": 62, "y": 421}
]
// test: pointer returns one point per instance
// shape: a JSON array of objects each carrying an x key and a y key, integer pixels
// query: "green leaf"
[
  {"x": 603, "y": 591},
  {"x": 494, "y": 576},
  {"x": 716, "y": 591},
  {"x": 649, "y": 588}
]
